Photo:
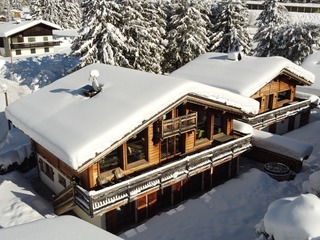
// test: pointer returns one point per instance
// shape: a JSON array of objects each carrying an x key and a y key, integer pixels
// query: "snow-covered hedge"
[
  {"x": 292, "y": 218},
  {"x": 313, "y": 184}
]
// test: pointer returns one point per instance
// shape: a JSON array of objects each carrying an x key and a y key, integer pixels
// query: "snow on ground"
[{"x": 19, "y": 203}]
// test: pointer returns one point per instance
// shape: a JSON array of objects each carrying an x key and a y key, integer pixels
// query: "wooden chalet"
[
  {"x": 25, "y": 38},
  {"x": 144, "y": 143},
  {"x": 271, "y": 81}
]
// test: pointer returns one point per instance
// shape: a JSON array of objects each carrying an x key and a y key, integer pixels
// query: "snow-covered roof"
[
  {"x": 9, "y": 28},
  {"x": 243, "y": 77},
  {"x": 75, "y": 127},
  {"x": 294, "y": 218},
  {"x": 312, "y": 63},
  {"x": 64, "y": 227},
  {"x": 282, "y": 145}
]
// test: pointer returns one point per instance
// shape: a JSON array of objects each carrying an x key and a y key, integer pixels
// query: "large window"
[
  {"x": 111, "y": 161},
  {"x": 202, "y": 123},
  {"x": 218, "y": 124},
  {"x": 170, "y": 147},
  {"x": 136, "y": 148},
  {"x": 284, "y": 95}
]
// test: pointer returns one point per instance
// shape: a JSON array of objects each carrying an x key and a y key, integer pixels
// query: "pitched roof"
[
  {"x": 10, "y": 28},
  {"x": 75, "y": 128},
  {"x": 244, "y": 77}
]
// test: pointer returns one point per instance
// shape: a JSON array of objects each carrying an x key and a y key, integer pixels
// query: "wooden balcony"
[
  {"x": 277, "y": 115},
  {"x": 98, "y": 202},
  {"x": 34, "y": 44},
  {"x": 175, "y": 126}
]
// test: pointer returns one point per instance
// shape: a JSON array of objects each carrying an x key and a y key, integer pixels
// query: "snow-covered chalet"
[
  {"x": 26, "y": 38},
  {"x": 271, "y": 81},
  {"x": 145, "y": 142}
]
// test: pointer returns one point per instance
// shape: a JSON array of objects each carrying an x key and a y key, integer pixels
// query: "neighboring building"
[
  {"x": 271, "y": 81},
  {"x": 26, "y": 38},
  {"x": 144, "y": 143}
]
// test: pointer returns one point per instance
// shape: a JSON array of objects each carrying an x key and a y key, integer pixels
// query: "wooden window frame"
[{"x": 62, "y": 180}]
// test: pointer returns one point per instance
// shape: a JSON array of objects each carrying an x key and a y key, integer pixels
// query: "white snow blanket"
[
  {"x": 282, "y": 145},
  {"x": 294, "y": 218}
]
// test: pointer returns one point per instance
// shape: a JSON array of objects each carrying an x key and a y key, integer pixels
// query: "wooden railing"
[
  {"x": 98, "y": 202},
  {"x": 65, "y": 200},
  {"x": 35, "y": 44},
  {"x": 277, "y": 115},
  {"x": 178, "y": 125}
]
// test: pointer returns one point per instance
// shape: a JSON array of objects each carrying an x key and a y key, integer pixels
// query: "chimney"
[{"x": 236, "y": 55}]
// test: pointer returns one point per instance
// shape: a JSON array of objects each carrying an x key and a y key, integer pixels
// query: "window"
[
  {"x": 269, "y": 102},
  {"x": 170, "y": 147},
  {"x": 136, "y": 148},
  {"x": 31, "y": 39},
  {"x": 62, "y": 180},
  {"x": 111, "y": 161},
  {"x": 284, "y": 95},
  {"x": 32, "y": 50},
  {"x": 41, "y": 165},
  {"x": 18, "y": 52},
  {"x": 201, "y": 125},
  {"x": 45, "y": 39},
  {"x": 46, "y": 49},
  {"x": 48, "y": 170},
  {"x": 218, "y": 124}
]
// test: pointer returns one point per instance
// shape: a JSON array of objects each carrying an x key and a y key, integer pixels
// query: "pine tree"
[
  {"x": 144, "y": 27},
  {"x": 100, "y": 39},
  {"x": 64, "y": 13},
  {"x": 230, "y": 27},
  {"x": 269, "y": 20},
  {"x": 188, "y": 34},
  {"x": 297, "y": 41},
  {"x": 153, "y": 44}
]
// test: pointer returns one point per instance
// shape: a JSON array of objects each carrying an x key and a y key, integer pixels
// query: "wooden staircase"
[{"x": 64, "y": 202}]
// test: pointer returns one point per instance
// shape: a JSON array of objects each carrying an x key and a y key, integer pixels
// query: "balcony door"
[{"x": 170, "y": 147}]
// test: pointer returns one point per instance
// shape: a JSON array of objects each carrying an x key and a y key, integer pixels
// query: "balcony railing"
[
  {"x": 268, "y": 118},
  {"x": 174, "y": 126},
  {"x": 34, "y": 44},
  {"x": 98, "y": 202}
]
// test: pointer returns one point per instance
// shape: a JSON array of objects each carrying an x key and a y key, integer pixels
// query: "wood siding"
[{"x": 268, "y": 95}]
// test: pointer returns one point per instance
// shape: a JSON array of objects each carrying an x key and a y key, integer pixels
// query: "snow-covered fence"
[
  {"x": 97, "y": 202},
  {"x": 276, "y": 115}
]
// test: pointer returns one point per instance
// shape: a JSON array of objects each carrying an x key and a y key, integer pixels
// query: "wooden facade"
[
  {"x": 280, "y": 110},
  {"x": 185, "y": 147},
  {"x": 276, "y": 94}
]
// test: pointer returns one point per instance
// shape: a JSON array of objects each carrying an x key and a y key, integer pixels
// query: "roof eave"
[{"x": 301, "y": 80}]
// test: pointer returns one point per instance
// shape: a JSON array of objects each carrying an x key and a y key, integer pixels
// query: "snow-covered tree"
[
  {"x": 297, "y": 41},
  {"x": 64, "y": 13},
  {"x": 100, "y": 39},
  {"x": 144, "y": 27},
  {"x": 230, "y": 27},
  {"x": 269, "y": 20},
  {"x": 188, "y": 33}
]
